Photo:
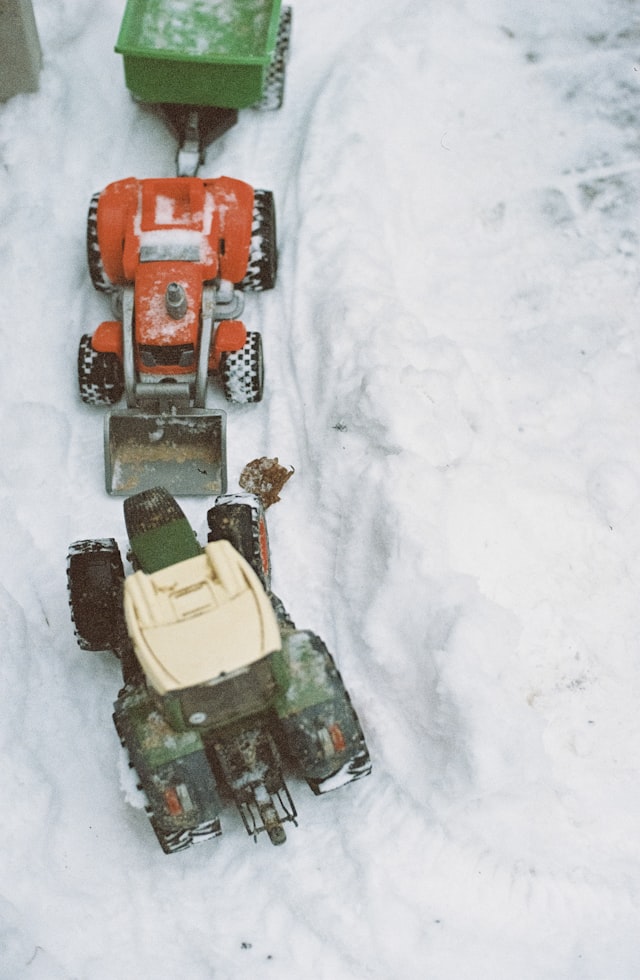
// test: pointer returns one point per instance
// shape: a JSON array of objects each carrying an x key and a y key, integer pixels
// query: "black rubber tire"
[
  {"x": 245, "y": 527},
  {"x": 285, "y": 621},
  {"x": 151, "y": 509},
  {"x": 262, "y": 267},
  {"x": 284, "y": 32},
  {"x": 100, "y": 376},
  {"x": 242, "y": 372},
  {"x": 97, "y": 271},
  {"x": 273, "y": 91},
  {"x": 179, "y": 840},
  {"x": 95, "y": 578},
  {"x": 171, "y": 841}
]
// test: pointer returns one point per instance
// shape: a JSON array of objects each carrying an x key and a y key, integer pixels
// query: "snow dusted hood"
[{"x": 154, "y": 324}]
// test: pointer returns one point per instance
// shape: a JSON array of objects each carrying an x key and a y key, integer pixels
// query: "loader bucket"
[{"x": 185, "y": 452}]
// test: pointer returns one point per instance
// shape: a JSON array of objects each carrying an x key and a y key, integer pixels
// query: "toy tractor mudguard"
[
  {"x": 176, "y": 256},
  {"x": 172, "y": 770},
  {"x": 318, "y": 724},
  {"x": 221, "y": 690},
  {"x": 199, "y": 63}
]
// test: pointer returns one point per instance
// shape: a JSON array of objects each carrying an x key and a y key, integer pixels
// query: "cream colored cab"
[{"x": 200, "y": 619}]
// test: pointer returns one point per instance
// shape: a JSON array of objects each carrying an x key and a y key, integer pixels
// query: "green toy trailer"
[
  {"x": 200, "y": 61},
  {"x": 220, "y": 688}
]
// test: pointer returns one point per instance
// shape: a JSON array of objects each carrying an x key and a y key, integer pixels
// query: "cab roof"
[{"x": 193, "y": 622}]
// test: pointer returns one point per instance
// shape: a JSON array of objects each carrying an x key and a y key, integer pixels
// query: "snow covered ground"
[{"x": 453, "y": 370}]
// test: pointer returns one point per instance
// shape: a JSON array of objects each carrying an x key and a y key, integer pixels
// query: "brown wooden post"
[{"x": 20, "y": 54}]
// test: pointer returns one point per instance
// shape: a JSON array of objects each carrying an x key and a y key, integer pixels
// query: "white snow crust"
[
  {"x": 452, "y": 367},
  {"x": 174, "y": 25}
]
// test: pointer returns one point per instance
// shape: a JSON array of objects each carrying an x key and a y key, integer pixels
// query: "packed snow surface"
[{"x": 453, "y": 370}]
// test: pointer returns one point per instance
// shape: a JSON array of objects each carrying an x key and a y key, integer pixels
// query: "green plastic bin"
[{"x": 198, "y": 52}]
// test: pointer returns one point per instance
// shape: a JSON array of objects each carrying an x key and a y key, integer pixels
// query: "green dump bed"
[{"x": 198, "y": 52}]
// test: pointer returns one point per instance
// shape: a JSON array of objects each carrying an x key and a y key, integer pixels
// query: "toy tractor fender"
[
  {"x": 111, "y": 213},
  {"x": 320, "y": 730},
  {"x": 229, "y": 335},
  {"x": 182, "y": 799},
  {"x": 221, "y": 209},
  {"x": 234, "y": 206},
  {"x": 107, "y": 338}
]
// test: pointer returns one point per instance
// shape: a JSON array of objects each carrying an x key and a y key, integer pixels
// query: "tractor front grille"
[{"x": 177, "y": 355}]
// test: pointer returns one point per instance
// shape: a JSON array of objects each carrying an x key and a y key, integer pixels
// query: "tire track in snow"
[
  {"x": 339, "y": 209},
  {"x": 362, "y": 355},
  {"x": 368, "y": 488}
]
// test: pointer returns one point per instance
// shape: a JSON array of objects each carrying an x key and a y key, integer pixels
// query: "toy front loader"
[
  {"x": 166, "y": 436},
  {"x": 186, "y": 451},
  {"x": 175, "y": 256}
]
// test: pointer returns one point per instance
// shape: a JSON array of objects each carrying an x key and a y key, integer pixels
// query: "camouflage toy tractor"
[
  {"x": 221, "y": 691},
  {"x": 176, "y": 256}
]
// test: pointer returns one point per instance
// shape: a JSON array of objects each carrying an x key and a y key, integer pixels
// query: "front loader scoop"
[
  {"x": 167, "y": 437},
  {"x": 182, "y": 451}
]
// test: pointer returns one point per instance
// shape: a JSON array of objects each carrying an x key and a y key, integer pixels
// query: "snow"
[
  {"x": 199, "y": 28},
  {"x": 452, "y": 369}
]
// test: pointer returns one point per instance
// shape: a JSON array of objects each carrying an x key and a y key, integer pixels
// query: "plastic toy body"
[
  {"x": 20, "y": 56},
  {"x": 175, "y": 255},
  {"x": 164, "y": 239},
  {"x": 224, "y": 51},
  {"x": 200, "y": 63},
  {"x": 220, "y": 687}
]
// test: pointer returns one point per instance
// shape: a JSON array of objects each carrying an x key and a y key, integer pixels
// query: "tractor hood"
[
  {"x": 154, "y": 323},
  {"x": 193, "y": 622}
]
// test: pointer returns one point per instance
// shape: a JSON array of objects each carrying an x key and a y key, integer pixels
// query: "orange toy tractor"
[{"x": 175, "y": 255}]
